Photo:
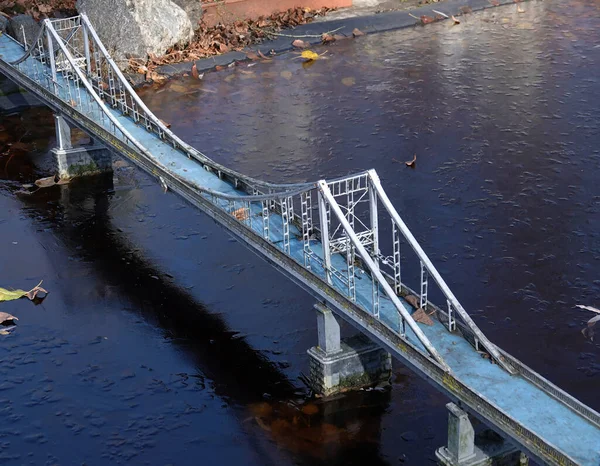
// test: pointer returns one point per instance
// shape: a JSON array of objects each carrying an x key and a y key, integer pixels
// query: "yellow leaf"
[
  {"x": 7, "y": 295},
  {"x": 309, "y": 55}
]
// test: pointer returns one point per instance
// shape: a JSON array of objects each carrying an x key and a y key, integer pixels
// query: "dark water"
[{"x": 164, "y": 341}]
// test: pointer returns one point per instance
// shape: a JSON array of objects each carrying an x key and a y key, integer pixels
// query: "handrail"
[
  {"x": 326, "y": 192},
  {"x": 488, "y": 345}
]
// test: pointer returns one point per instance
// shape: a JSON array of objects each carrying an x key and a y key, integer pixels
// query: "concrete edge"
[{"x": 367, "y": 24}]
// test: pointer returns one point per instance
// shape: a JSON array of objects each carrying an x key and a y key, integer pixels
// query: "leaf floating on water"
[
  {"x": 412, "y": 162},
  {"x": 300, "y": 44},
  {"x": 349, "y": 81},
  {"x": 327, "y": 38},
  {"x": 309, "y": 55},
  {"x": 195, "y": 73},
  {"x": 10, "y": 295},
  {"x": 357, "y": 33},
  {"x": 6, "y": 318},
  {"x": 421, "y": 316}
]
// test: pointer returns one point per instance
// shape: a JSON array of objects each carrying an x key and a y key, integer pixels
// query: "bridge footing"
[
  {"x": 82, "y": 160},
  {"x": 467, "y": 449},
  {"x": 338, "y": 365}
]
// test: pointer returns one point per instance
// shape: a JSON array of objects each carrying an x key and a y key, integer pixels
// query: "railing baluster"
[
  {"x": 324, "y": 215},
  {"x": 424, "y": 285}
]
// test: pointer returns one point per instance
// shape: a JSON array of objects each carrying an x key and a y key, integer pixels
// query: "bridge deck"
[{"x": 532, "y": 407}]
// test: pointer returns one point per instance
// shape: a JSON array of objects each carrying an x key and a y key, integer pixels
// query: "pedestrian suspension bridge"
[{"x": 327, "y": 236}]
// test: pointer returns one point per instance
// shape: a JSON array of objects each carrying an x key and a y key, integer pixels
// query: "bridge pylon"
[
  {"x": 338, "y": 365},
  {"x": 79, "y": 160},
  {"x": 465, "y": 448}
]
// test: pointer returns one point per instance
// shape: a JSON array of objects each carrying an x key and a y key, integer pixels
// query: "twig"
[
  {"x": 441, "y": 14},
  {"x": 413, "y": 16},
  {"x": 317, "y": 36}
]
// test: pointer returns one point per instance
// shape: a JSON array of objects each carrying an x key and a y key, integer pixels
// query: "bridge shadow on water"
[{"x": 77, "y": 230}]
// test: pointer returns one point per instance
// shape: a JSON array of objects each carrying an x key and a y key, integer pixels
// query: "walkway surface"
[{"x": 542, "y": 424}]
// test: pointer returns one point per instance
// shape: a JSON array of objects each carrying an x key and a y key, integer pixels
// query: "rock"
[
  {"x": 193, "y": 8},
  {"x": 3, "y": 24},
  {"x": 20, "y": 24},
  {"x": 136, "y": 28}
]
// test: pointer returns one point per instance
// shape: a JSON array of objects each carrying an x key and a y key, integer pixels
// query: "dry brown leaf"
[
  {"x": 195, "y": 73},
  {"x": 240, "y": 214},
  {"x": 350, "y": 81},
  {"x": 421, "y": 316},
  {"x": 357, "y": 33},
  {"x": 167, "y": 125},
  {"x": 7, "y": 318},
  {"x": 519, "y": 9},
  {"x": 412, "y": 300},
  {"x": 300, "y": 44},
  {"x": 427, "y": 19},
  {"x": 456, "y": 21},
  {"x": 412, "y": 162},
  {"x": 327, "y": 38}
]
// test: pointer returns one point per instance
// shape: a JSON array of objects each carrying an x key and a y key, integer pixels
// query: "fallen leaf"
[
  {"x": 519, "y": 9},
  {"x": 195, "y": 73},
  {"x": 219, "y": 68},
  {"x": 421, "y": 316},
  {"x": 412, "y": 300},
  {"x": 456, "y": 21},
  {"x": 240, "y": 214},
  {"x": 412, "y": 162},
  {"x": 309, "y": 55},
  {"x": 167, "y": 125},
  {"x": 427, "y": 19},
  {"x": 7, "y": 318},
  {"x": 46, "y": 182},
  {"x": 349, "y": 81},
  {"x": 327, "y": 38},
  {"x": 286, "y": 74},
  {"x": 300, "y": 44},
  {"x": 357, "y": 33},
  {"x": 339, "y": 37},
  {"x": 9, "y": 295},
  {"x": 494, "y": 2}
]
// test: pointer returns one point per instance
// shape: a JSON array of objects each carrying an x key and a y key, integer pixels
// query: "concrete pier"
[
  {"x": 338, "y": 365},
  {"x": 465, "y": 448},
  {"x": 82, "y": 160}
]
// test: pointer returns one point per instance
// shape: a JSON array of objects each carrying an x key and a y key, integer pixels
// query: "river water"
[{"x": 164, "y": 341}]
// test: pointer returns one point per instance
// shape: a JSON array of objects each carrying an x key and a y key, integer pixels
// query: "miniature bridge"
[{"x": 341, "y": 240}]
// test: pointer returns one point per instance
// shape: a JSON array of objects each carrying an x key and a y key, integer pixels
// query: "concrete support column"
[
  {"x": 82, "y": 160},
  {"x": 338, "y": 365},
  {"x": 467, "y": 449}
]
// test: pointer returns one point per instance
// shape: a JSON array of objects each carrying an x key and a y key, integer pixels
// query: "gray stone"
[
  {"x": 3, "y": 24},
  {"x": 136, "y": 28},
  {"x": 193, "y": 8},
  {"x": 20, "y": 24}
]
